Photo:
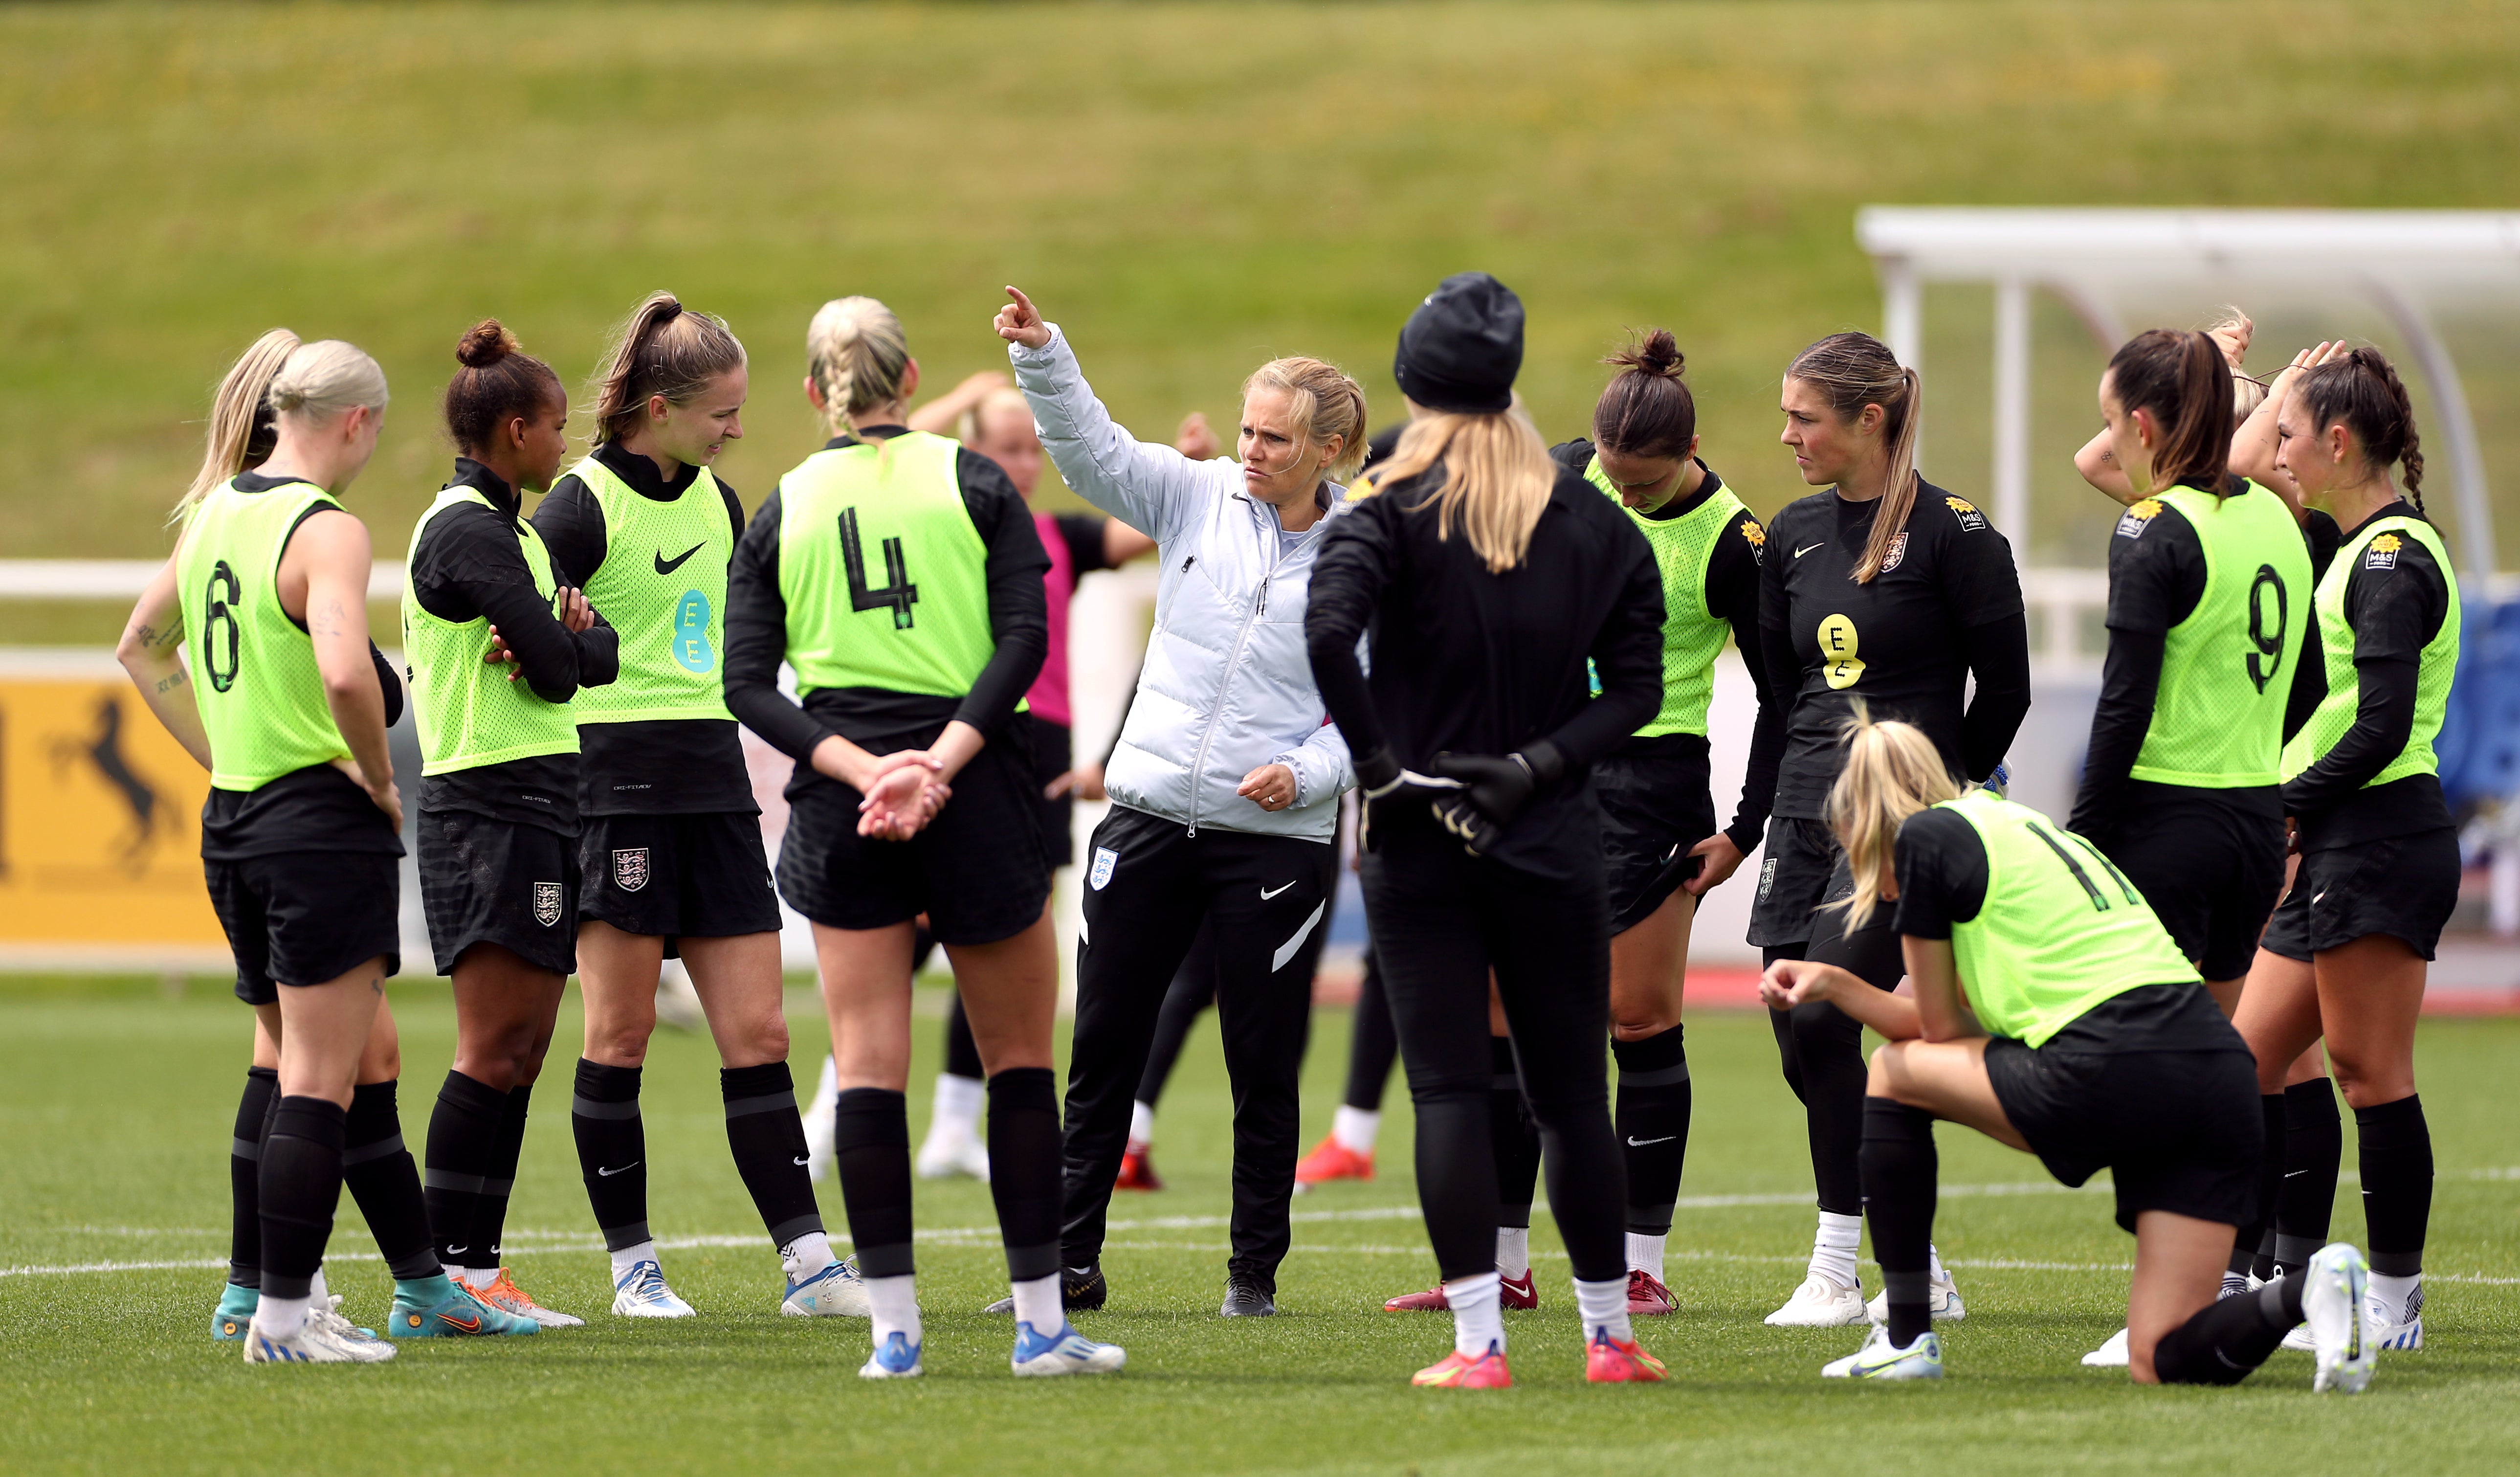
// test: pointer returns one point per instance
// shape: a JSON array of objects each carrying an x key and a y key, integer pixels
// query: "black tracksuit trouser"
[
  {"x": 1149, "y": 886},
  {"x": 1441, "y": 921}
]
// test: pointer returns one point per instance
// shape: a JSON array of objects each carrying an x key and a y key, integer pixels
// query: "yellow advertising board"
[{"x": 100, "y": 821}]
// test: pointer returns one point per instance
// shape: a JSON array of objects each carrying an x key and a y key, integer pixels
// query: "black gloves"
[
  {"x": 1384, "y": 784},
  {"x": 1493, "y": 791}
]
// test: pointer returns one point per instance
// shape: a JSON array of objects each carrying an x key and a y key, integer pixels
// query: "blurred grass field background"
[{"x": 1188, "y": 188}]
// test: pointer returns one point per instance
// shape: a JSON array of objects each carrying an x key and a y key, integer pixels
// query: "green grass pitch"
[{"x": 115, "y": 1111}]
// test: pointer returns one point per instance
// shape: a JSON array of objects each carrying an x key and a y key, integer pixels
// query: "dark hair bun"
[
  {"x": 484, "y": 344},
  {"x": 1659, "y": 354}
]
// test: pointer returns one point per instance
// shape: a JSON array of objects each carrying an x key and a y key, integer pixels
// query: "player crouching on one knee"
[{"x": 2054, "y": 1013}]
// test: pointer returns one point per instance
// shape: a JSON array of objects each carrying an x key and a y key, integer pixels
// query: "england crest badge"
[
  {"x": 630, "y": 869},
  {"x": 1105, "y": 860},
  {"x": 547, "y": 899}
]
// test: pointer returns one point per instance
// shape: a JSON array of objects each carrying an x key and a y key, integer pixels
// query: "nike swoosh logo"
[
  {"x": 666, "y": 566},
  {"x": 604, "y": 1173},
  {"x": 1807, "y": 548},
  {"x": 452, "y": 1250},
  {"x": 469, "y": 1326},
  {"x": 1639, "y": 1143},
  {"x": 2289, "y": 1173},
  {"x": 803, "y": 1161},
  {"x": 1266, "y": 894}
]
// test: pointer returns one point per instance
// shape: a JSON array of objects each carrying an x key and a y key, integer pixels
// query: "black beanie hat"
[{"x": 1463, "y": 346}]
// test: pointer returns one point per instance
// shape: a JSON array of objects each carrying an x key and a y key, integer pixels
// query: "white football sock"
[
  {"x": 1479, "y": 1321},
  {"x": 805, "y": 1255},
  {"x": 895, "y": 1304},
  {"x": 316, "y": 1291},
  {"x": 2392, "y": 1293},
  {"x": 1141, "y": 1123},
  {"x": 454, "y": 1273},
  {"x": 1934, "y": 1264},
  {"x": 631, "y": 1256},
  {"x": 1036, "y": 1304},
  {"x": 280, "y": 1317},
  {"x": 958, "y": 1103},
  {"x": 1513, "y": 1251},
  {"x": 1644, "y": 1254},
  {"x": 1355, "y": 1127},
  {"x": 477, "y": 1278},
  {"x": 1833, "y": 1249},
  {"x": 1604, "y": 1305}
]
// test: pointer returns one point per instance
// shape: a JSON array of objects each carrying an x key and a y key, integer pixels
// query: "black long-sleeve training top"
[
  {"x": 665, "y": 766},
  {"x": 874, "y": 718},
  {"x": 1945, "y": 607},
  {"x": 1468, "y": 662},
  {"x": 1731, "y": 596},
  {"x": 468, "y": 566},
  {"x": 2395, "y": 607}
]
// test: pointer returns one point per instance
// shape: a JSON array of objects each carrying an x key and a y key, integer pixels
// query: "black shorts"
[
  {"x": 1802, "y": 868},
  {"x": 671, "y": 876},
  {"x": 1656, "y": 805},
  {"x": 2402, "y": 886},
  {"x": 487, "y": 881},
  {"x": 307, "y": 918},
  {"x": 2212, "y": 873},
  {"x": 2178, "y": 1131},
  {"x": 977, "y": 871},
  {"x": 1053, "y": 753}
]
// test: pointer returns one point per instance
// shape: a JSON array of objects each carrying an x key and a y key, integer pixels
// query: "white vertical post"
[
  {"x": 1903, "y": 324},
  {"x": 2011, "y": 481}
]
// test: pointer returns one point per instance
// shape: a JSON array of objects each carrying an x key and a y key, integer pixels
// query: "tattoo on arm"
[
  {"x": 330, "y": 621},
  {"x": 171, "y": 682}
]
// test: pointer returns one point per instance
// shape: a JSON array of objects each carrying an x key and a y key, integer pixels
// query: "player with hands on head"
[
  {"x": 901, "y": 579},
  {"x": 2054, "y": 1014},
  {"x": 1886, "y": 589},
  {"x": 1225, "y": 783},
  {"x": 2344, "y": 958},
  {"x": 670, "y": 850},
  {"x": 250, "y": 645},
  {"x": 1488, "y": 575},
  {"x": 499, "y": 641}
]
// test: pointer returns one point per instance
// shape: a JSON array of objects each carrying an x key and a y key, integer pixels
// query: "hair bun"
[
  {"x": 484, "y": 344},
  {"x": 1657, "y": 354}
]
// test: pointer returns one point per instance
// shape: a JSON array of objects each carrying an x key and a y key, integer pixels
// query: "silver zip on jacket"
[{"x": 1241, "y": 638}]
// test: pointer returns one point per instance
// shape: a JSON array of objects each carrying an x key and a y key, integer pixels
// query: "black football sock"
[
  {"x": 2227, "y": 1339},
  {"x": 768, "y": 1144},
  {"x": 245, "y": 1174},
  {"x": 1513, "y": 1139},
  {"x": 460, "y": 1132},
  {"x": 2396, "y": 1151},
  {"x": 870, "y": 1138},
  {"x": 1025, "y": 1169},
  {"x": 961, "y": 1053},
  {"x": 300, "y": 1186},
  {"x": 1652, "y": 1126},
  {"x": 2271, "y": 1171},
  {"x": 1901, "y": 1170},
  {"x": 378, "y": 1171},
  {"x": 611, "y": 1152},
  {"x": 499, "y": 1182},
  {"x": 2313, "y": 1148}
]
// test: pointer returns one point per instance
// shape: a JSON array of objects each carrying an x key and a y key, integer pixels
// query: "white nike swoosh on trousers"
[
  {"x": 1267, "y": 893},
  {"x": 604, "y": 1173},
  {"x": 803, "y": 1161},
  {"x": 1639, "y": 1143}
]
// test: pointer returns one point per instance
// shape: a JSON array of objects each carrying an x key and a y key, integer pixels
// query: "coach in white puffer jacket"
[
  {"x": 1225, "y": 785},
  {"x": 1227, "y": 687}
]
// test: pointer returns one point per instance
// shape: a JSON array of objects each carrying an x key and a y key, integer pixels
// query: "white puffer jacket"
[{"x": 1227, "y": 686}]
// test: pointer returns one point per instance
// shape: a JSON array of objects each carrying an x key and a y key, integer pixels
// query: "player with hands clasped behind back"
[
  {"x": 499, "y": 641},
  {"x": 2052, "y": 1013},
  {"x": 670, "y": 850},
  {"x": 2343, "y": 958},
  {"x": 900, "y": 576},
  {"x": 1225, "y": 784},
  {"x": 286, "y": 703},
  {"x": 1488, "y": 575},
  {"x": 1882, "y": 589}
]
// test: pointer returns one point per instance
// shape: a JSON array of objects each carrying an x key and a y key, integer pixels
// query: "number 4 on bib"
[{"x": 897, "y": 592}]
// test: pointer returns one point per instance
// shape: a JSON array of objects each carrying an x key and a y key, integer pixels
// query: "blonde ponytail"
[
  {"x": 239, "y": 409},
  {"x": 1892, "y": 771},
  {"x": 1496, "y": 477},
  {"x": 857, "y": 353}
]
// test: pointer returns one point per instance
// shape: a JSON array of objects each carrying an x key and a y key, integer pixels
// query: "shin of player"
[
  {"x": 277, "y": 692},
  {"x": 2054, "y": 1014},
  {"x": 670, "y": 852}
]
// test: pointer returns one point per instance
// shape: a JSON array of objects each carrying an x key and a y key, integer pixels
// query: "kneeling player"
[{"x": 2054, "y": 1013}]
